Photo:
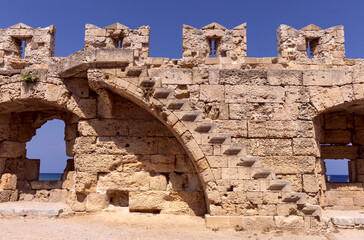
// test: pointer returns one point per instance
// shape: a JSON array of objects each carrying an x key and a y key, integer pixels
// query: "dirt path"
[{"x": 141, "y": 226}]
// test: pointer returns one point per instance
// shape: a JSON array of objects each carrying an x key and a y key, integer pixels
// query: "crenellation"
[{"x": 311, "y": 45}]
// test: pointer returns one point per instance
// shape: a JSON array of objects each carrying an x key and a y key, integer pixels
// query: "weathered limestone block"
[
  {"x": 191, "y": 203},
  {"x": 287, "y": 209},
  {"x": 270, "y": 198},
  {"x": 2, "y": 165},
  {"x": 155, "y": 129},
  {"x": 311, "y": 183},
  {"x": 138, "y": 181},
  {"x": 258, "y": 223},
  {"x": 339, "y": 152},
  {"x": 147, "y": 201},
  {"x": 183, "y": 182},
  {"x": 284, "y": 77},
  {"x": 338, "y": 136},
  {"x": 335, "y": 120},
  {"x": 184, "y": 164},
  {"x": 159, "y": 158},
  {"x": 77, "y": 202},
  {"x": 326, "y": 77},
  {"x": 85, "y": 182},
  {"x": 78, "y": 86},
  {"x": 240, "y": 77},
  {"x": 289, "y": 222},
  {"x": 159, "y": 167},
  {"x": 104, "y": 127},
  {"x": 82, "y": 145},
  {"x": 68, "y": 182},
  {"x": 96, "y": 202},
  {"x": 212, "y": 93},
  {"x": 94, "y": 163},
  {"x": 85, "y": 108},
  {"x": 256, "y": 94},
  {"x": 305, "y": 146},
  {"x": 294, "y": 179},
  {"x": 8, "y": 195},
  {"x": 289, "y": 164},
  {"x": 40, "y": 185},
  {"x": 280, "y": 129},
  {"x": 174, "y": 76},
  {"x": 358, "y": 137},
  {"x": 158, "y": 183},
  {"x": 235, "y": 128},
  {"x": 9, "y": 149},
  {"x": 8, "y": 181},
  {"x": 58, "y": 195},
  {"x": 267, "y": 210},
  {"x": 268, "y": 147}
]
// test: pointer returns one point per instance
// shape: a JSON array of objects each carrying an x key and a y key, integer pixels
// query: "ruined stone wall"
[{"x": 245, "y": 136}]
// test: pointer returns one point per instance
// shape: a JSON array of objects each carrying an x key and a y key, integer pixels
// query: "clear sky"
[{"x": 166, "y": 17}]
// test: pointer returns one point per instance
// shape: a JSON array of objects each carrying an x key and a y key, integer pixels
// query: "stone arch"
[
  {"x": 20, "y": 118},
  {"x": 338, "y": 118},
  {"x": 99, "y": 81}
]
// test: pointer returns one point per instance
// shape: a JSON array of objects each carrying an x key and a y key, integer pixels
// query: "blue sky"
[{"x": 167, "y": 17}]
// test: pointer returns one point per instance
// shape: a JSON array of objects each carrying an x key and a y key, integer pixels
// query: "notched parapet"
[
  {"x": 22, "y": 46},
  {"x": 311, "y": 44},
  {"x": 119, "y": 36},
  {"x": 214, "y": 42}
]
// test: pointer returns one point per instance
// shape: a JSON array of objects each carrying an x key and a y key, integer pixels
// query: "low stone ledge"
[
  {"x": 256, "y": 223},
  {"x": 40, "y": 185}
]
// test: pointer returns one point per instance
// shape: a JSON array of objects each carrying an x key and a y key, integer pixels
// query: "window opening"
[
  {"x": 22, "y": 49},
  {"x": 310, "y": 47},
  {"x": 337, "y": 170},
  {"x": 49, "y": 146},
  {"x": 213, "y": 47},
  {"x": 120, "y": 43}
]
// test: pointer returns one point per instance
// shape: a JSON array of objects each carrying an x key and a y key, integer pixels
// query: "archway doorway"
[{"x": 340, "y": 133}]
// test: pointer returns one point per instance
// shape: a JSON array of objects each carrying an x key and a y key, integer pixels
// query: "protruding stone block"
[{"x": 8, "y": 181}]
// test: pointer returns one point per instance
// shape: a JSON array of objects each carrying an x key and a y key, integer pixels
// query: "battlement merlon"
[
  {"x": 214, "y": 41},
  {"x": 119, "y": 36},
  {"x": 325, "y": 46},
  {"x": 38, "y": 46}
]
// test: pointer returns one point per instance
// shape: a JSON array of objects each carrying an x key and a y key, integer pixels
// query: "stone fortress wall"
[{"x": 242, "y": 140}]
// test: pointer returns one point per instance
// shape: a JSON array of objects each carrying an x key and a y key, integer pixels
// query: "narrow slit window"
[
  {"x": 22, "y": 49},
  {"x": 213, "y": 48},
  {"x": 311, "y": 47}
]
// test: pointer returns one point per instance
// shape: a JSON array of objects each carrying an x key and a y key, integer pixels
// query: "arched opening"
[
  {"x": 49, "y": 146},
  {"x": 340, "y": 133},
  {"x": 20, "y": 122}
]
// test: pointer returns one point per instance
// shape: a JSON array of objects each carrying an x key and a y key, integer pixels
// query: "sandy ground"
[{"x": 142, "y": 226}]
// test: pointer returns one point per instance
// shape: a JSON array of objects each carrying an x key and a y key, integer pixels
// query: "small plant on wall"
[
  {"x": 29, "y": 78},
  {"x": 147, "y": 92}
]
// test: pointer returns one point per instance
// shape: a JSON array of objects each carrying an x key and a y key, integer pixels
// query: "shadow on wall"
[{"x": 136, "y": 161}]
